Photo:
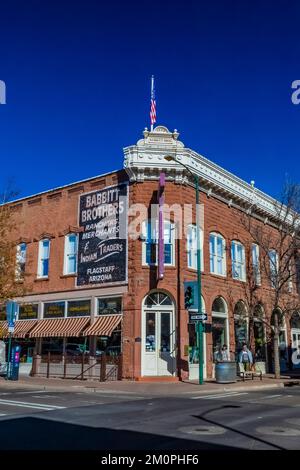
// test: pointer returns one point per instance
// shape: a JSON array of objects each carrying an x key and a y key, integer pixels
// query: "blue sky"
[{"x": 78, "y": 85}]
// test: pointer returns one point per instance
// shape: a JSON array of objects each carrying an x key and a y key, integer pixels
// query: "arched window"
[
  {"x": 157, "y": 298},
  {"x": 240, "y": 325},
  {"x": 295, "y": 321},
  {"x": 192, "y": 246},
  {"x": 217, "y": 256},
  {"x": 238, "y": 261},
  {"x": 219, "y": 324}
]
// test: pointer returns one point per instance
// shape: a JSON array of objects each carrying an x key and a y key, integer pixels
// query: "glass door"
[{"x": 159, "y": 343}]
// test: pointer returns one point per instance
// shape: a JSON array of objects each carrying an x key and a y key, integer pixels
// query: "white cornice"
[{"x": 145, "y": 160}]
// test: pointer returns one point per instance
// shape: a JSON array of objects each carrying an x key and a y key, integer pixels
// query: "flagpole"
[{"x": 152, "y": 89}]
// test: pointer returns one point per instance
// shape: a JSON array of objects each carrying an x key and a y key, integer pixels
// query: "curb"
[{"x": 86, "y": 389}]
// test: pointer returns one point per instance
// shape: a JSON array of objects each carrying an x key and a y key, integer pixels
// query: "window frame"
[
  {"x": 234, "y": 260},
  {"x": 67, "y": 254},
  {"x": 272, "y": 250},
  {"x": 40, "y": 259},
  {"x": 20, "y": 266},
  {"x": 256, "y": 266},
  {"x": 192, "y": 251},
  {"x": 214, "y": 257},
  {"x": 146, "y": 242}
]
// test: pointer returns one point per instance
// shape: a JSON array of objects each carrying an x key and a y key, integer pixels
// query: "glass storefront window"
[
  {"x": 54, "y": 310},
  {"x": 150, "y": 331},
  {"x": 28, "y": 311},
  {"x": 109, "y": 306},
  {"x": 219, "y": 333},
  {"x": 259, "y": 338},
  {"x": 240, "y": 332},
  {"x": 79, "y": 308},
  {"x": 193, "y": 349},
  {"x": 165, "y": 332}
]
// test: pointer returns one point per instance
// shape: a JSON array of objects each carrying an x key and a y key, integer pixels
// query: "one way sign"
[{"x": 193, "y": 317}]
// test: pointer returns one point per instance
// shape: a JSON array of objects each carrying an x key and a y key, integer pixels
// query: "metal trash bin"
[{"x": 225, "y": 372}]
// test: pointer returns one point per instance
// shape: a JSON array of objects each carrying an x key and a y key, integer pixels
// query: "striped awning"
[
  {"x": 23, "y": 327},
  {"x": 104, "y": 325},
  {"x": 3, "y": 329},
  {"x": 59, "y": 327}
]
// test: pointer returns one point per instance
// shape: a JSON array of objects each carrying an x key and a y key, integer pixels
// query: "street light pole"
[{"x": 199, "y": 324}]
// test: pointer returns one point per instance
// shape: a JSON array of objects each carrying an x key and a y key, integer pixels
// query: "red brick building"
[{"x": 124, "y": 306}]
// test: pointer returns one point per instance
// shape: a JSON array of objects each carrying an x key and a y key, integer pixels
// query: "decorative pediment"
[
  {"x": 71, "y": 229},
  {"x": 43, "y": 236}
]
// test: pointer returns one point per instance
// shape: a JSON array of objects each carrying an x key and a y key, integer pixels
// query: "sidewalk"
[{"x": 147, "y": 388}]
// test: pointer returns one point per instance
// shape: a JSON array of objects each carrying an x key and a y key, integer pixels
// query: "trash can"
[{"x": 225, "y": 372}]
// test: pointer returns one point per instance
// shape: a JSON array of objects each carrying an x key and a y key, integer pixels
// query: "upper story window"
[
  {"x": 150, "y": 243},
  {"x": 238, "y": 261},
  {"x": 70, "y": 258},
  {"x": 217, "y": 255},
  {"x": 273, "y": 257},
  {"x": 43, "y": 261},
  {"x": 192, "y": 247},
  {"x": 255, "y": 264},
  {"x": 21, "y": 260}
]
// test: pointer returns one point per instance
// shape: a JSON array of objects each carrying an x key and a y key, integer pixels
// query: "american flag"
[{"x": 153, "y": 104}]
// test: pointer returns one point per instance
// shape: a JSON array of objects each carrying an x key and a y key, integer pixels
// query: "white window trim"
[
  {"x": 271, "y": 265},
  {"x": 40, "y": 260},
  {"x": 65, "y": 269},
  {"x": 224, "y": 264},
  {"x": 257, "y": 274},
  {"x": 173, "y": 240},
  {"x": 189, "y": 249},
  {"x": 18, "y": 272},
  {"x": 234, "y": 244}
]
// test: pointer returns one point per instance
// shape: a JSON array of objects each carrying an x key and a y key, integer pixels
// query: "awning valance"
[
  {"x": 59, "y": 327},
  {"x": 104, "y": 325}
]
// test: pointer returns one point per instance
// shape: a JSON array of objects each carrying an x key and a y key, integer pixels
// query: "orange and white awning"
[
  {"x": 59, "y": 327},
  {"x": 23, "y": 327},
  {"x": 104, "y": 325},
  {"x": 3, "y": 329}
]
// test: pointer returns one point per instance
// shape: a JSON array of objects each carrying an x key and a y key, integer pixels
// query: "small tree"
[
  {"x": 11, "y": 284},
  {"x": 279, "y": 244}
]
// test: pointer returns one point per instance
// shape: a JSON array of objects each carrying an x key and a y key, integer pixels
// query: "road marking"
[
  {"x": 24, "y": 404},
  {"x": 214, "y": 397},
  {"x": 3, "y": 414},
  {"x": 32, "y": 391},
  {"x": 270, "y": 396}
]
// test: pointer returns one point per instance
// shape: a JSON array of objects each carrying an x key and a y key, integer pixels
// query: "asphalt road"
[{"x": 43, "y": 420}]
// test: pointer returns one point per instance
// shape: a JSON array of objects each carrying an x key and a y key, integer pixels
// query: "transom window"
[
  {"x": 157, "y": 298},
  {"x": 238, "y": 261},
  {"x": 217, "y": 256},
  {"x": 192, "y": 247},
  {"x": 150, "y": 244}
]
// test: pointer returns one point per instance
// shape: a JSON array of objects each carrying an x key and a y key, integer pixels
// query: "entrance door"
[
  {"x": 158, "y": 357},
  {"x": 296, "y": 347}
]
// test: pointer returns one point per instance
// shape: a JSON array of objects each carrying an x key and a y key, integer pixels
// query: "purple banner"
[{"x": 161, "y": 248}]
